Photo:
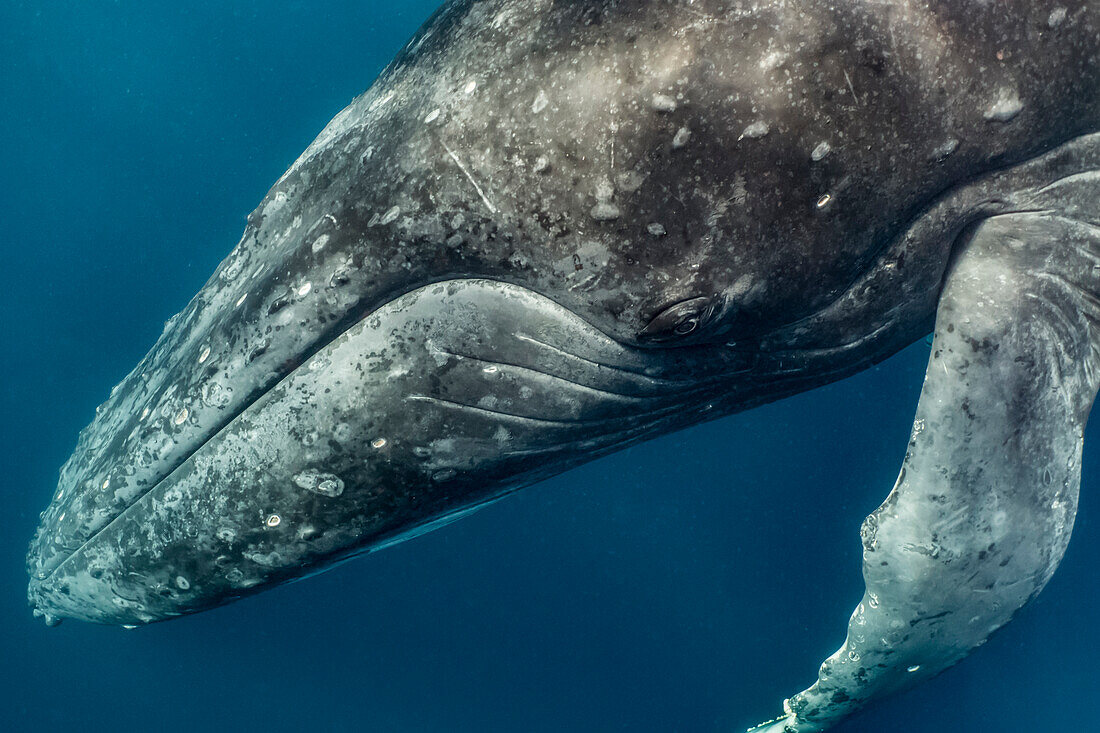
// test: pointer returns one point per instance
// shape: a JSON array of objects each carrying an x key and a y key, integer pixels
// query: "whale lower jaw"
[{"x": 440, "y": 401}]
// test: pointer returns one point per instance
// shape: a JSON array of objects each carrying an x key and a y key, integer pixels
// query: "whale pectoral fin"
[{"x": 982, "y": 511}]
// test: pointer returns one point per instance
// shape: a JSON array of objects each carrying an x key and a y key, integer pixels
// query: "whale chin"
[{"x": 436, "y": 403}]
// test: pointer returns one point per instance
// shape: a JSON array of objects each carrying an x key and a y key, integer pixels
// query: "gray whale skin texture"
[{"x": 555, "y": 228}]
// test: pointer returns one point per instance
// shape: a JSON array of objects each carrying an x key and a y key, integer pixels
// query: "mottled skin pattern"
[{"x": 553, "y": 228}]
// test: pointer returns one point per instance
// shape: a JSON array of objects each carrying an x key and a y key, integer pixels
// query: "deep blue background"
[{"x": 684, "y": 585}]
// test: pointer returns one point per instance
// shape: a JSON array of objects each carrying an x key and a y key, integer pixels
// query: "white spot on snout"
[{"x": 471, "y": 87}]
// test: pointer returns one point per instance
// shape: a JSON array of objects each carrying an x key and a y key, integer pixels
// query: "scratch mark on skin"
[
  {"x": 614, "y": 128},
  {"x": 466, "y": 172},
  {"x": 851, "y": 86}
]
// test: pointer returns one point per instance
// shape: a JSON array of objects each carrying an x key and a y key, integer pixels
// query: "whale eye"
[
  {"x": 677, "y": 321},
  {"x": 683, "y": 328}
]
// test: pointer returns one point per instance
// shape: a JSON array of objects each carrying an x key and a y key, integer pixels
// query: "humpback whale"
[{"x": 552, "y": 229}]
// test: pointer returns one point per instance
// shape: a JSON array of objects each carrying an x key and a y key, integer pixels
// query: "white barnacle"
[
  {"x": 181, "y": 416},
  {"x": 541, "y": 102},
  {"x": 605, "y": 211},
  {"x": 204, "y": 354},
  {"x": 325, "y": 484},
  {"x": 757, "y": 129},
  {"x": 773, "y": 60},
  {"x": 215, "y": 395},
  {"x": 824, "y": 201},
  {"x": 823, "y": 148},
  {"x": 663, "y": 103},
  {"x": 433, "y": 115},
  {"x": 683, "y": 135},
  {"x": 144, "y": 414},
  {"x": 378, "y": 443},
  {"x": 182, "y": 583},
  {"x": 273, "y": 520},
  {"x": 232, "y": 270},
  {"x": 106, "y": 483},
  {"x": 241, "y": 300},
  {"x": 1006, "y": 106},
  {"x": 630, "y": 181},
  {"x": 304, "y": 290},
  {"x": 470, "y": 87},
  {"x": 390, "y": 216},
  {"x": 946, "y": 148},
  {"x": 381, "y": 102}
]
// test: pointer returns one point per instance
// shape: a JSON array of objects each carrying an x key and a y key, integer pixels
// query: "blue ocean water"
[{"x": 685, "y": 585}]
